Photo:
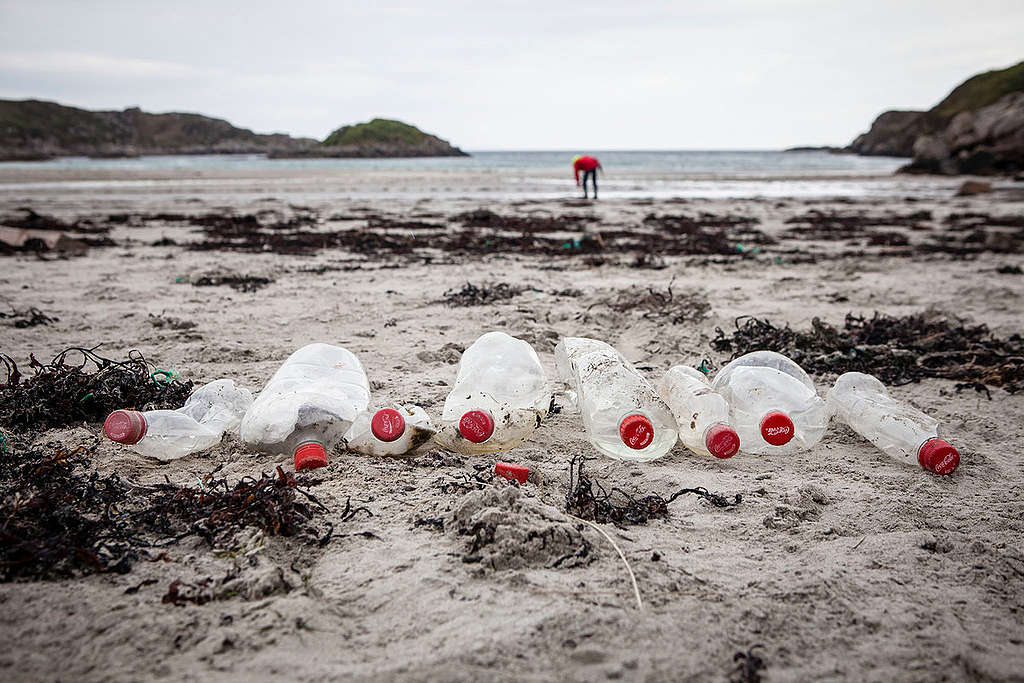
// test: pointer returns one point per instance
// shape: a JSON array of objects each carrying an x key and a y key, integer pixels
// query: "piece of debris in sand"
[
  {"x": 748, "y": 666},
  {"x": 973, "y": 187},
  {"x": 20, "y": 239}
]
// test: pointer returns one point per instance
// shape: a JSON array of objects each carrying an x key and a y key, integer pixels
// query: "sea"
[{"x": 485, "y": 175}]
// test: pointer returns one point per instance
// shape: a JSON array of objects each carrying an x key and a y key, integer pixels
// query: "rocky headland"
[
  {"x": 34, "y": 129},
  {"x": 977, "y": 129}
]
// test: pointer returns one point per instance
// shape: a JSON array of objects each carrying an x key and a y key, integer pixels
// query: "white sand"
[{"x": 839, "y": 561}]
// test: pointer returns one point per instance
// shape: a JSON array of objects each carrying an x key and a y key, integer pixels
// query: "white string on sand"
[{"x": 632, "y": 576}]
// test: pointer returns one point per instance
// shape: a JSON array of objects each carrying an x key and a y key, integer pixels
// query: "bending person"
[{"x": 589, "y": 166}]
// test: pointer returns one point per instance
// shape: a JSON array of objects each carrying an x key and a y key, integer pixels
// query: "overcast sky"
[{"x": 625, "y": 74}]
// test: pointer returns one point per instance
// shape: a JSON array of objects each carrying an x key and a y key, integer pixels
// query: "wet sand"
[{"x": 839, "y": 563}]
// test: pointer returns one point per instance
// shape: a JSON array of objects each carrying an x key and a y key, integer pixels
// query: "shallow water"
[{"x": 484, "y": 175}]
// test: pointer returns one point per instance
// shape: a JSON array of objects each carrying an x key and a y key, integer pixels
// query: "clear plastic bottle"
[
  {"x": 623, "y": 414},
  {"x": 773, "y": 404},
  {"x": 211, "y": 410},
  {"x": 900, "y": 430},
  {"x": 308, "y": 405},
  {"x": 498, "y": 399},
  {"x": 397, "y": 430},
  {"x": 702, "y": 414}
]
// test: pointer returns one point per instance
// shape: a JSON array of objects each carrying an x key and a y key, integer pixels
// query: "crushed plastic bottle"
[
  {"x": 773, "y": 404},
  {"x": 397, "y": 430},
  {"x": 900, "y": 430},
  {"x": 701, "y": 413},
  {"x": 308, "y": 405},
  {"x": 498, "y": 399},
  {"x": 210, "y": 411},
  {"x": 622, "y": 413}
]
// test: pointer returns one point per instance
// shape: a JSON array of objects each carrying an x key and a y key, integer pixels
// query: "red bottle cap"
[
  {"x": 636, "y": 431},
  {"x": 722, "y": 441},
  {"x": 777, "y": 428},
  {"x": 510, "y": 471},
  {"x": 387, "y": 424},
  {"x": 310, "y": 456},
  {"x": 476, "y": 426},
  {"x": 125, "y": 426},
  {"x": 938, "y": 456}
]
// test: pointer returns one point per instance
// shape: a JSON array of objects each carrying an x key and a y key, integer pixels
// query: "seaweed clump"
[
  {"x": 618, "y": 506},
  {"x": 668, "y": 306},
  {"x": 61, "y": 393},
  {"x": 58, "y": 520},
  {"x": 30, "y": 317},
  {"x": 897, "y": 350},
  {"x": 484, "y": 295},
  {"x": 240, "y": 283},
  {"x": 216, "y": 511}
]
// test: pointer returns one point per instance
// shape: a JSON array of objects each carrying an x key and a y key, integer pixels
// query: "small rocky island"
[
  {"x": 977, "y": 129},
  {"x": 377, "y": 138},
  {"x": 38, "y": 130}
]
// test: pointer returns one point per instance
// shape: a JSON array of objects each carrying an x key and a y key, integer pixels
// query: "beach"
[{"x": 837, "y": 563}]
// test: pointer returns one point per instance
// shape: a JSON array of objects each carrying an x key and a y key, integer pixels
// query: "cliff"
[
  {"x": 34, "y": 129},
  {"x": 977, "y": 128},
  {"x": 892, "y": 134}
]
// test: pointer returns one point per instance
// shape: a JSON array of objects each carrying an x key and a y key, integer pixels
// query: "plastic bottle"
[
  {"x": 397, "y": 430},
  {"x": 898, "y": 429},
  {"x": 773, "y": 404},
  {"x": 498, "y": 399},
  {"x": 701, "y": 413},
  {"x": 308, "y": 405},
  {"x": 211, "y": 410},
  {"x": 623, "y": 414}
]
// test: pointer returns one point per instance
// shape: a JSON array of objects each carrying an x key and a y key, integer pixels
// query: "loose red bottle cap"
[
  {"x": 125, "y": 426},
  {"x": 938, "y": 456},
  {"x": 722, "y": 441},
  {"x": 777, "y": 428},
  {"x": 476, "y": 426},
  {"x": 387, "y": 424},
  {"x": 310, "y": 456},
  {"x": 636, "y": 431},
  {"x": 520, "y": 473}
]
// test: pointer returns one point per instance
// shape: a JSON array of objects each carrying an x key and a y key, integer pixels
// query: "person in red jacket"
[{"x": 589, "y": 166}]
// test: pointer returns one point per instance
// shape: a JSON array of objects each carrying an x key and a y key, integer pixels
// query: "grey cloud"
[{"x": 736, "y": 74}]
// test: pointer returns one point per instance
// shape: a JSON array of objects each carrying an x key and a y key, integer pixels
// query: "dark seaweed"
[
  {"x": 216, "y": 511},
  {"x": 667, "y": 306},
  {"x": 62, "y": 392},
  {"x": 897, "y": 350},
  {"x": 484, "y": 295},
  {"x": 241, "y": 283},
  {"x": 58, "y": 519},
  {"x": 620, "y": 507},
  {"x": 30, "y": 317},
  {"x": 58, "y": 522}
]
